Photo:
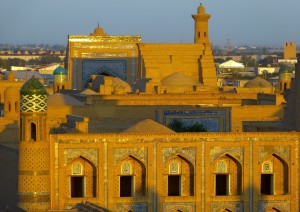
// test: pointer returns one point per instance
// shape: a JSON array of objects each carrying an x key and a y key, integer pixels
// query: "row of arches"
[
  {"x": 178, "y": 177},
  {"x": 227, "y": 175}
]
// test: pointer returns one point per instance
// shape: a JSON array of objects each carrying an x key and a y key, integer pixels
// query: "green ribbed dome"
[
  {"x": 60, "y": 71},
  {"x": 33, "y": 87}
]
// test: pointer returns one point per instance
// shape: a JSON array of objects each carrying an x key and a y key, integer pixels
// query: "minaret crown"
[{"x": 201, "y": 9}]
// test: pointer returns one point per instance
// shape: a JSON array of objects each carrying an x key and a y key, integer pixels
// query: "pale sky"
[{"x": 271, "y": 22}]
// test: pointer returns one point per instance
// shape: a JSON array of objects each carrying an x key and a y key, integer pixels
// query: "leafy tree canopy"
[{"x": 178, "y": 126}]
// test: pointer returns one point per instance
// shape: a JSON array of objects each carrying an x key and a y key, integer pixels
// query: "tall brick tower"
[
  {"x": 201, "y": 25},
  {"x": 207, "y": 68},
  {"x": 34, "y": 150},
  {"x": 290, "y": 50}
]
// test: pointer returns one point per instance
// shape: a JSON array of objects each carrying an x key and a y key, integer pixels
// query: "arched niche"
[
  {"x": 272, "y": 166},
  {"x": 81, "y": 175},
  {"x": 130, "y": 176},
  {"x": 178, "y": 177},
  {"x": 226, "y": 175}
]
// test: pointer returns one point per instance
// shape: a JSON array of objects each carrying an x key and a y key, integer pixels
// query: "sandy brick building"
[{"x": 107, "y": 149}]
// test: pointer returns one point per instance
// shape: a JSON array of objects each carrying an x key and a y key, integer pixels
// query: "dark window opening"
[
  {"x": 9, "y": 106},
  {"x": 33, "y": 132},
  {"x": 126, "y": 184},
  {"x": 16, "y": 106},
  {"x": 284, "y": 85},
  {"x": 63, "y": 87},
  {"x": 199, "y": 34},
  {"x": 77, "y": 188},
  {"x": 57, "y": 88},
  {"x": 266, "y": 184},
  {"x": 21, "y": 129},
  {"x": 222, "y": 185},
  {"x": 205, "y": 34},
  {"x": 173, "y": 185}
]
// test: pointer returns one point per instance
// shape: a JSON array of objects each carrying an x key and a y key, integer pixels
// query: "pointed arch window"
[
  {"x": 180, "y": 177},
  {"x": 126, "y": 180},
  {"x": 82, "y": 179},
  {"x": 132, "y": 178},
  {"x": 274, "y": 176},
  {"x": 227, "y": 176},
  {"x": 222, "y": 179}
]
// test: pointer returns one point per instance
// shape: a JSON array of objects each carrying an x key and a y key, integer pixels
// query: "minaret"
[
  {"x": 60, "y": 79},
  {"x": 34, "y": 149},
  {"x": 201, "y": 25},
  {"x": 207, "y": 68}
]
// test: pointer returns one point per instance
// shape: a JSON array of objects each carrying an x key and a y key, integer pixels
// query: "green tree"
[
  {"x": 248, "y": 61},
  {"x": 178, "y": 126},
  {"x": 47, "y": 59},
  {"x": 266, "y": 61}
]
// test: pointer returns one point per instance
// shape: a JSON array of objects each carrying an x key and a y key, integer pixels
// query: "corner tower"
[
  {"x": 201, "y": 25},
  {"x": 60, "y": 79},
  {"x": 34, "y": 150}
]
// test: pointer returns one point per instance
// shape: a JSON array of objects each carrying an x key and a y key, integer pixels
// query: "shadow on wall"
[
  {"x": 9, "y": 136},
  {"x": 8, "y": 179}
]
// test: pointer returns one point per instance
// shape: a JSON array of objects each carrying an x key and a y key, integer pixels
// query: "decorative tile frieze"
[
  {"x": 33, "y": 103},
  {"x": 187, "y": 152},
  {"x": 214, "y": 120},
  {"x": 173, "y": 206},
  {"x": 141, "y": 207},
  {"x": 232, "y": 206},
  {"x": 104, "y": 39},
  {"x": 90, "y": 154},
  {"x": 236, "y": 152},
  {"x": 279, "y": 205},
  {"x": 34, "y": 198},
  {"x": 139, "y": 153},
  {"x": 282, "y": 151},
  {"x": 104, "y": 55}
]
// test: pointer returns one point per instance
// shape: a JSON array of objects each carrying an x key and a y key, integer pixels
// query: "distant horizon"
[
  {"x": 233, "y": 45},
  {"x": 264, "y": 23}
]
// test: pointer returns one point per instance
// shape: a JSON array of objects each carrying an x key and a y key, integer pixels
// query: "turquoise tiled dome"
[{"x": 60, "y": 71}]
